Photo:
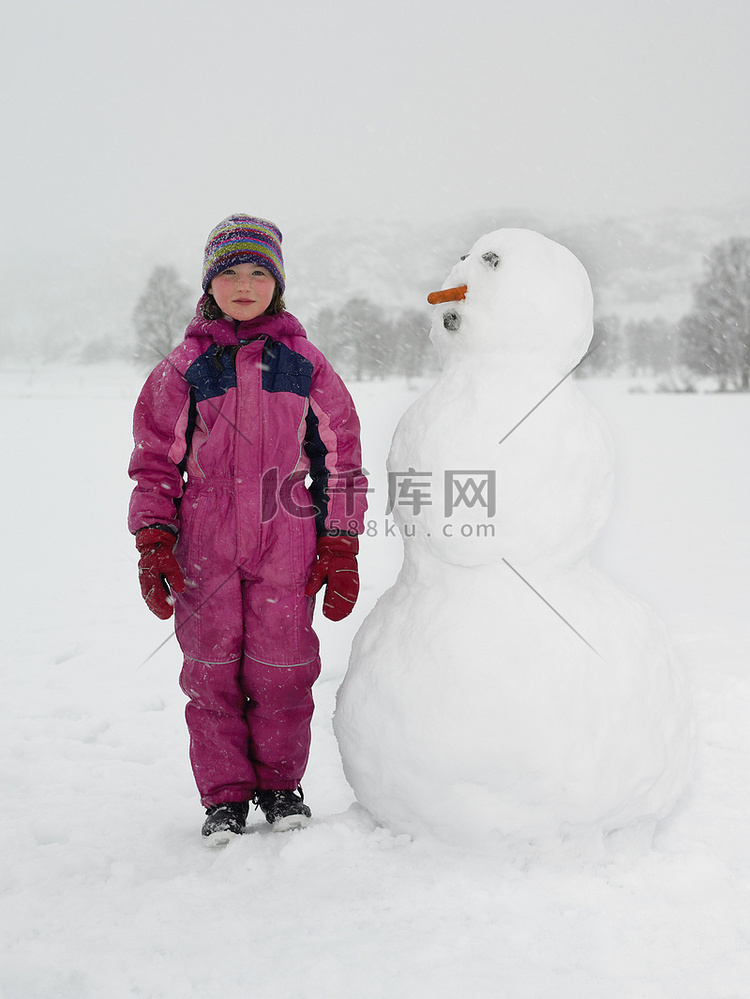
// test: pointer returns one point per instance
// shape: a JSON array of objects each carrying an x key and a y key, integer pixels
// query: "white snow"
[
  {"x": 107, "y": 889},
  {"x": 503, "y": 689}
]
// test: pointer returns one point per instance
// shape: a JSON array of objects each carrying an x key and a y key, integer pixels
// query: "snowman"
[{"x": 503, "y": 689}]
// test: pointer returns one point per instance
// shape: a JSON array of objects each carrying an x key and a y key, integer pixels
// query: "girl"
[{"x": 227, "y": 430}]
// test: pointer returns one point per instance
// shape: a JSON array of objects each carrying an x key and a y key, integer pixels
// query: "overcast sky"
[{"x": 148, "y": 120}]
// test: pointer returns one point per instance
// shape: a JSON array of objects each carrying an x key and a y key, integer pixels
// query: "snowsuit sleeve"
[
  {"x": 160, "y": 430},
  {"x": 338, "y": 483}
]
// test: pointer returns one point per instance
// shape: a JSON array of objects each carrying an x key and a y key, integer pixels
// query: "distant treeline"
[
  {"x": 711, "y": 344},
  {"x": 362, "y": 342}
]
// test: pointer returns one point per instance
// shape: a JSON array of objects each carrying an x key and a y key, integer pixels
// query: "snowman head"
[{"x": 515, "y": 295}]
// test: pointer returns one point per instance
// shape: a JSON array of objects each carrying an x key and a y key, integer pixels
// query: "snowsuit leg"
[
  {"x": 208, "y": 625},
  {"x": 219, "y": 738},
  {"x": 279, "y": 666},
  {"x": 251, "y": 658}
]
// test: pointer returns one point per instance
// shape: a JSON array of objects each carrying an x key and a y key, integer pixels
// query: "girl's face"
[{"x": 244, "y": 291}]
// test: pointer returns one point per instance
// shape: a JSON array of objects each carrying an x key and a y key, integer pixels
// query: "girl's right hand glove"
[
  {"x": 336, "y": 565},
  {"x": 158, "y": 571}
]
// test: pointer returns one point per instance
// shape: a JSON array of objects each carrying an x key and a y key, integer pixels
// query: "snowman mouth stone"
[{"x": 451, "y": 320}]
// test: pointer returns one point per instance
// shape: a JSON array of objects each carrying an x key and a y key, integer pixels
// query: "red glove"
[
  {"x": 158, "y": 571},
  {"x": 336, "y": 564}
]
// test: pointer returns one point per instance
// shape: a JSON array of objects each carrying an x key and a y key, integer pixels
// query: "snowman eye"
[
  {"x": 464, "y": 256},
  {"x": 491, "y": 259}
]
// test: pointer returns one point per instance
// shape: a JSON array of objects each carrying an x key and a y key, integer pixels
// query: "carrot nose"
[{"x": 449, "y": 295}]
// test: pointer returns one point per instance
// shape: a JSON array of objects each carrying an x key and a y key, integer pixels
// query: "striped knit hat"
[{"x": 242, "y": 239}]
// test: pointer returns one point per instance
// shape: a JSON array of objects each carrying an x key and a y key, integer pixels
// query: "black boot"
[
  {"x": 225, "y": 821},
  {"x": 283, "y": 809}
]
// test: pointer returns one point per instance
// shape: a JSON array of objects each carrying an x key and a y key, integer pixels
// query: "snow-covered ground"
[{"x": 108, "y": 891}]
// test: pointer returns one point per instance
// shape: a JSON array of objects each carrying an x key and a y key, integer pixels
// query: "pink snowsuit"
[{"x": 227, "y": 429}]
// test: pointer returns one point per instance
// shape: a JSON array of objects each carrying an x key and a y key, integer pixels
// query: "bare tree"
[
  {"x": 607, "y": 350},
  {"x": 715, "y": 335},
  {"x": 161, "y": 315},
  {"x": 413, "y": 353},
  {"x": 650, "y": 346},
  {"x": 363, "y": 331}
]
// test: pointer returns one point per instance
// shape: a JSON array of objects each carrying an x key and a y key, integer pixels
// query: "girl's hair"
[{"x": 210, "y": 310}]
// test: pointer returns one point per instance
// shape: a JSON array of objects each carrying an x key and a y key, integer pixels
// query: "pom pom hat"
[{"x": 242, "y": 239}]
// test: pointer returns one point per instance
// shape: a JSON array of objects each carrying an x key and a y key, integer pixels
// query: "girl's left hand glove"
[{"x": 336, "y": 564}]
